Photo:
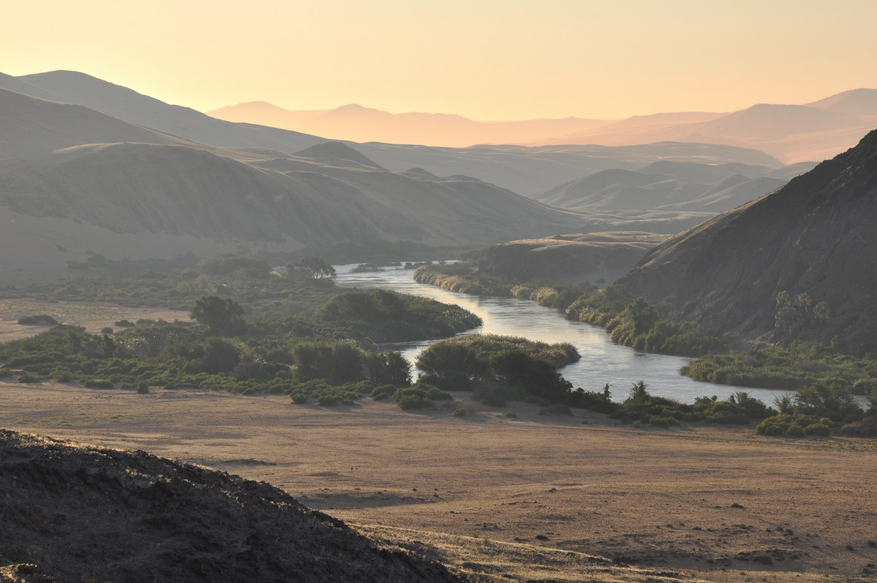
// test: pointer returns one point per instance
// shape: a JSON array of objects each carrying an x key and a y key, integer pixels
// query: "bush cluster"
[
  {"x": 795, "y": 426},
  {"x": 462, "y": 278},
  {"x": 639, "y": 325},
  {"x": 500, "y": 368},
  {"x": 800, "y": 365}
]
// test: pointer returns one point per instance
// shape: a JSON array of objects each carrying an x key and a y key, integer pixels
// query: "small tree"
[
  {"x": 826, "y": 400},
  {"x": 803, "y": 301},
  {"x": 784, "y": 298},
  {"x": 223, "y": 317},
  {"x": 535, "y": 375},
  {"x": 448, "y": 358},
  {"x": 219, "y": 356},
  {"x": 316, "y": 267},
  {"x": 638, "y": 391}
]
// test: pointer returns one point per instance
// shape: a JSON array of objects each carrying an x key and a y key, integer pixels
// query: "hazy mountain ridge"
[
  {"x": 813, "y": 236},
  {"x": 792, "y": 133},
  {"x": 527, "y": 170},
  {"x": 356, "y": 123},
  {"x": 126, "y": 104},
  {"x": 105, "y": 196},
  {"x": 667, "y": 185},
  {"x": 520, "y": 169}
]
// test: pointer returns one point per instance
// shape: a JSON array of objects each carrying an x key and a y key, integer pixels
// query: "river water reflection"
[{"x": 602, "y": 361}]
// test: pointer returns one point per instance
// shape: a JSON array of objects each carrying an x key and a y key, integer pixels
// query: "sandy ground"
[
  {"x": 502, "y": 496},
  {"x": 93, "y": 316}
]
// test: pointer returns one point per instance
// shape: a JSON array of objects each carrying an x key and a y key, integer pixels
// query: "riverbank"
[
  {"x": 696, "y": 499},
  {"x": 602, "y": 362}
]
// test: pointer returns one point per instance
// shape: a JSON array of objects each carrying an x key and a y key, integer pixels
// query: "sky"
[{"x": 484, "y": 59}]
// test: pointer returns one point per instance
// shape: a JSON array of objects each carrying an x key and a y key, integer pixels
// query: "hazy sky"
[{"x": 486, "y": 59}]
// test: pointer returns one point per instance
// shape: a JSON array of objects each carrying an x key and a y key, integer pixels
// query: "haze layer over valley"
[{"x": 86, "y": 165}]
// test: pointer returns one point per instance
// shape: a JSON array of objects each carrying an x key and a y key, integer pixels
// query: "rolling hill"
[
  {"x": 522, "y": 170},
  {"x": 668, "y": 186},
  {"x": 126, "y": 104},
  {"x": 75, "y": 180}
]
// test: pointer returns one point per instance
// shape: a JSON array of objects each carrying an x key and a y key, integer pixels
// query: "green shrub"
[
  {"x": 142, "y": 388},
  {"x": 793, "y": 426},
  {"x": 411, "y": 398},
  {"x": 98, "y": 384},
  {"x": 664, "y": 422},
  {"x": 436, "y": 394},
  {"x": 40, "y": 320},
  {"x": 27, "y": 378},
  {"x": 493, "y": 400},
  {"x": 598, "y": 402},
  {"x": 556, "y": 409},
  {"x": 763, "y": 558},
  {"x": 5, "y": 373},
  {"x": 817, "y": 430},
  {"x": 62, "y": 375},
  {"x": 327, "y": 401},
  {"x": 383, "y": 392},
  {"x": 413, "y": 402},
  {"x": 510, "y": 414},
  {"x": 106, "y": 330},
  {"x": 459, "y": 412},
  {"x": 124, "y": 324},
  {"x": 299, "y": 398},
  {"x": 795, "y": 430}
]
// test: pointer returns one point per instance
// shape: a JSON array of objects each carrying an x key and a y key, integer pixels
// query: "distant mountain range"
[
  {"x": 362, "y": 124},
  {"x": 89, "y": 165},
  {"x": 791, "y": 133},
  {"x": 524, "y": 170},
  {"x": 814, "y": 236}
]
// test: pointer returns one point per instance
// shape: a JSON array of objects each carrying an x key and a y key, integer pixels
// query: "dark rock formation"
[{"x": 75, "y": 513}]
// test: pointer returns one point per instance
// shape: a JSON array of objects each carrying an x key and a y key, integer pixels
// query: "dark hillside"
[
  {"x": 75, "y": 513},
  {"x": 815, "y": 236}
]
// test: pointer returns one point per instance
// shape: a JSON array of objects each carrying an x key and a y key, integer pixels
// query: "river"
[{"x": 602, "y": 361}]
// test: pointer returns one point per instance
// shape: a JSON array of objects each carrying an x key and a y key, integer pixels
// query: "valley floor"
[{"x": 513, "y": 498}]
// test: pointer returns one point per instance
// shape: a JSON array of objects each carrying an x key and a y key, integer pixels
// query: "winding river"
[{"x": 602, "y": 361}]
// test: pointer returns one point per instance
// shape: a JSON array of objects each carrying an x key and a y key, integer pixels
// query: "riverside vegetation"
[
  {"x": 825, "y": 378},
  {"x": 292, "y": 333}
]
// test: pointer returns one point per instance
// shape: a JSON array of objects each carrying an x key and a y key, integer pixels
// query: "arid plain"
[{"x": 485, "y": 490}]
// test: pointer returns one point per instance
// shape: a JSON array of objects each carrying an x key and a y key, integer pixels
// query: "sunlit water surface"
[{"x": 602, "y": 361}]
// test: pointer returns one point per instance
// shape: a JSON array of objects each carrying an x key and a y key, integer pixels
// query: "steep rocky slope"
[
  {"x": 76, "y": 513},
  {"x": 816, "y": 236}
]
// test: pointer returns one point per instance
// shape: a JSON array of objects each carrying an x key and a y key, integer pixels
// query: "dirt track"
[{"x": 690, "y": 498}]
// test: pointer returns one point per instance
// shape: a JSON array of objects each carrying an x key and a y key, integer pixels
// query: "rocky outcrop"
[
  {"x": 815, "y": 236},
  {"x": 74, "y": 513}
]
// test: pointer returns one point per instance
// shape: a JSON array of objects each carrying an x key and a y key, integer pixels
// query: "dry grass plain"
[
  {"x": 92, "y": 316},
  {"x": 529, "y": 498}
]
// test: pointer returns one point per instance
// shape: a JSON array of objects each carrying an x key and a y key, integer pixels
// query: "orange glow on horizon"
[{"x": 484, "y": 59}]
